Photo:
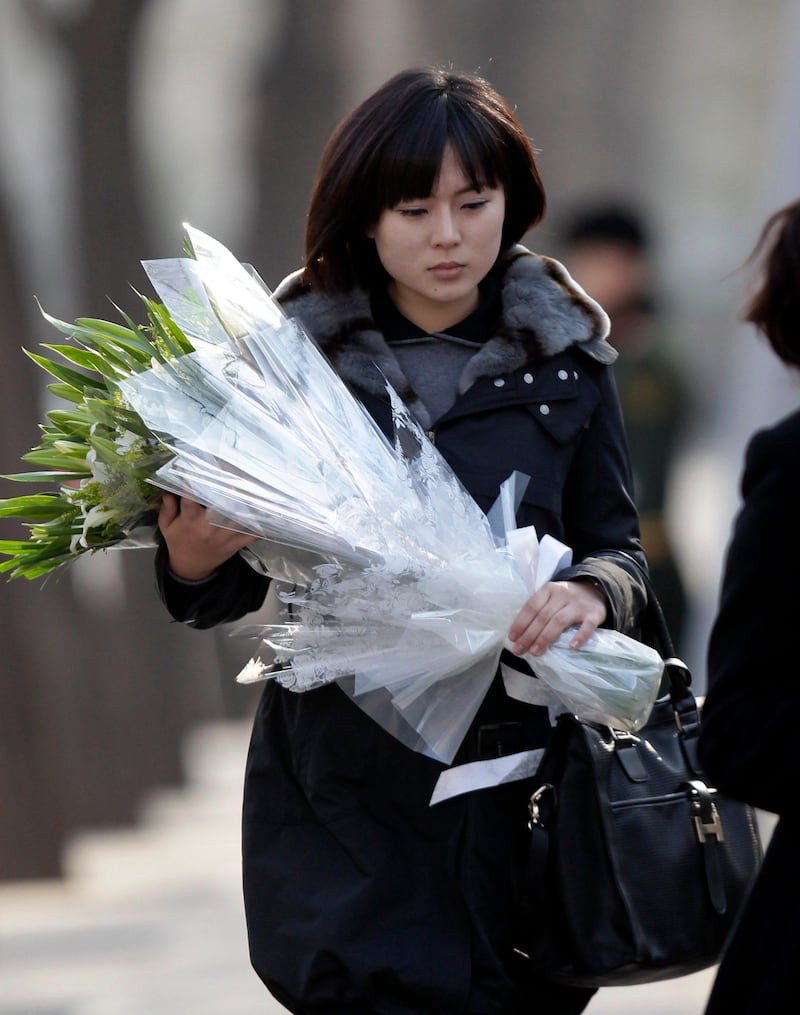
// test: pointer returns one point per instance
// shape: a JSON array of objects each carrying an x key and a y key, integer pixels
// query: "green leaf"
[
  {"x": 85, "y": 358},
  {"x": 133, "y": 421},
  {"x": 114, "y": 342},
  {"x": 55, "y": 460},
  {"x": 69, "y": 447},
  {"x": 121, "y": 355},
  {"x": 106, "y": 449},
  {"x": 126, "y": 338},
  {"x": 14, "y": 547},
  {"x": 62, "y": 326},
  {"x": 134, "y": 327},
  {"x": 31, "y": 565},
  {"x": 67, "y": 392},
  {"x": 69, "y": 376},
  {"x": 71, "y": 422},
  {"x": 58, "y": 476},
  {"x": 33, "y": 550},
  {"x": 103, "y": 410},
  {"x": 168, "y": 331},
  {"x": 91, "y": 329},
  {"x": 35, "y": 507},
  {"x": 50, "y": 531}
]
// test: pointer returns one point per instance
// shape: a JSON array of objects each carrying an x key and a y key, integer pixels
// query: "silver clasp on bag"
[
  {"x": 534, "y": 813},
  {"x": 707, "y": 823}
]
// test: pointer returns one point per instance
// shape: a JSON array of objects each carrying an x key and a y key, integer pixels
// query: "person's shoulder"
[
  {"x": 328, "y": 316},
  {"x": 540, "y": 297},
  {"x": 781, "y": 437},
  {"x": 773, "y": 455},
  {"x": 292, "y": 287}
]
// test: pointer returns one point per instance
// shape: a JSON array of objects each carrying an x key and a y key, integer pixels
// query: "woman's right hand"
[{"x": 196, "y": 547}]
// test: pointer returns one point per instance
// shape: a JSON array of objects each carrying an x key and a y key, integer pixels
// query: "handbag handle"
[{"x": 676, "y": 672}]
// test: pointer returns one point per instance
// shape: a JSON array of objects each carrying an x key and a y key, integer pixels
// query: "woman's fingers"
[
  {"x": 168, "y": 511},
  {"x": 554, "y": 608},
  {"x": 196, "y": 547}
]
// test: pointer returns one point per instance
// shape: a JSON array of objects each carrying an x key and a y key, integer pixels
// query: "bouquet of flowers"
[
  {"x": 375, "y": 544},
  {"x": 96, "y": 452}
]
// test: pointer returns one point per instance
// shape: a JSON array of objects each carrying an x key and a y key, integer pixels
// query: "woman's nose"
[{"x": 445, "y": 229}]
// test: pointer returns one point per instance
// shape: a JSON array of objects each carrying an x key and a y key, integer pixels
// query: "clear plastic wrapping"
[{"x": 395, "y": 583}]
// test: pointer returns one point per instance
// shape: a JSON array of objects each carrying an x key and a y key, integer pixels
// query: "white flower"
[
  {"x": 100, "y": 471},
  {"x": 126, "y": 441},
  {"x": 94, "y": 518}
]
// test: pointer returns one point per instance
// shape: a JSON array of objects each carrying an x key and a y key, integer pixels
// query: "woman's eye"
[
  {"x": 411, "y": 212},
  {"x": 475, "y": 205}
]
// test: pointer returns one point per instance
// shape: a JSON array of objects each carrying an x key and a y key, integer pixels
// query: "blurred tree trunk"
[
  {"x": 99, "y": 40},
  {"x": 98, "y": 688},
  {"x": 294, "y": 109},
  {"x": 30, "y": 808}
]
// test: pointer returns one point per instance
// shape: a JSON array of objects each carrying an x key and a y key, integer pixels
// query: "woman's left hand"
[{"x": 552, "y": 609}]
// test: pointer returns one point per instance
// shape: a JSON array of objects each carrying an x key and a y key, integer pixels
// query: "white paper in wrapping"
[{"x": 612, "y": 679}]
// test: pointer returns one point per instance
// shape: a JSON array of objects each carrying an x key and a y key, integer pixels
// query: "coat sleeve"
[
  {"x": 747, "y": 740},
  {"x": 601, "y": 523},
  {"x": 235, "y": 589}
]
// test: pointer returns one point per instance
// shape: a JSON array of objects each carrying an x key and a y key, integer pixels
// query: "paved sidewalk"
[
  {"x": 149, "y": 920},
  {"x": 684, "y": 996}
]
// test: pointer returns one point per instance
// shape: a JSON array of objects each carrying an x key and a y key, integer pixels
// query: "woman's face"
[{"x": 438, "y": 249}]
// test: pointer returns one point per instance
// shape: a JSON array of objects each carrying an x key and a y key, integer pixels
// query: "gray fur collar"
[{"x": 544, "y": 312}]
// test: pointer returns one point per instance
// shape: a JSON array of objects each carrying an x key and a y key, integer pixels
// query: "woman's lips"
[{"x": 447, "y": 269}]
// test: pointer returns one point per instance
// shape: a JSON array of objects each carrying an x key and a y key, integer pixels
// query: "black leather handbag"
[{"x": 637, "y": 866}]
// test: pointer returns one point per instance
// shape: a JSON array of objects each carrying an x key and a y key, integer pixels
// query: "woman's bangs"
[
  {"x": 408, "y": 169},
  {"x": 481, "y": 157}
]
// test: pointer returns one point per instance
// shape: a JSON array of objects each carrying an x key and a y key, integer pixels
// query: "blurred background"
[{"x": 122, "y": 119}]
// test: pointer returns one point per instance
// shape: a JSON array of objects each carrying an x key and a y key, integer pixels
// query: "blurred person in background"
[
  {"x": 607, "y": 250},
  {"x": 361, "y": 897},
  {"x": 748, "y": 742}
]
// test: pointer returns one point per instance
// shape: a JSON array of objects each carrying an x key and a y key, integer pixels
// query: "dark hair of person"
[
  {"x": 616, "y": 224},
  {"x": 774, "y": 308},
  {"x": 390, "y": 149},
  {"x": 608, "y": 223}
]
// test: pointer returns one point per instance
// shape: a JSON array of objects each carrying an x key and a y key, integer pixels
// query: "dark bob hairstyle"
[
  {"x": 390, "y": 149},
  {"x": 775, "y": 306}
]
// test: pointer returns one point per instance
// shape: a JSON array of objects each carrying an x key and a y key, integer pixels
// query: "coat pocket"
[{"x": 563, "y": 409}]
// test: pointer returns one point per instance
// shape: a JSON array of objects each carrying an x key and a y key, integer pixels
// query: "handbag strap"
[
  {"x": 656, "y": 621},
  {"x": 677, "y": 675},
  {"x": 679, "y": 679}
]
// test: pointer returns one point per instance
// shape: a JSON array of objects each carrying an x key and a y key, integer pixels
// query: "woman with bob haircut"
[
  {"x": 361, "y": 895},
  {"x": 747, "y": 740},
  {"x": 363, "y": 171}
]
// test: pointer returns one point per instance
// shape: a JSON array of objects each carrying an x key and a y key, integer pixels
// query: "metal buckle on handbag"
[
  {"x": 708, "y": 828},
  {"x": 626, "y": 751},
  {"x": 534, "y": 811},
  {"x": 705, "y": 815}
]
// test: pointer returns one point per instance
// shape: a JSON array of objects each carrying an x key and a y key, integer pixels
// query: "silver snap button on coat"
[
  {"x": 528, "y": 378},
  {"x": 499, "y": 382},
  {"x": 544, "y": 409}
]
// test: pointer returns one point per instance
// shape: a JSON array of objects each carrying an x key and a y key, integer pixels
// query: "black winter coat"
[
  {"x": 748, "y": 740},
  {"x": 360, "y": 897}
]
